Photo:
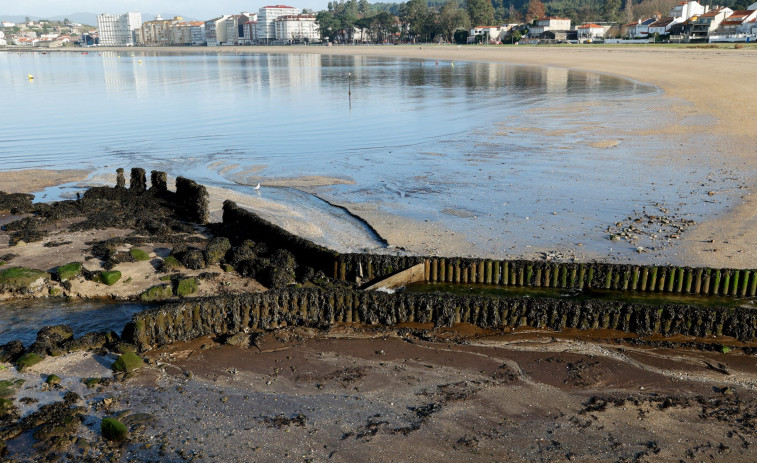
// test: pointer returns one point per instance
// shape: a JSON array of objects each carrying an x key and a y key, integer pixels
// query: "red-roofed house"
[
  {"x": 590, "y": 31},
  {"x": 735, "y": 23}
]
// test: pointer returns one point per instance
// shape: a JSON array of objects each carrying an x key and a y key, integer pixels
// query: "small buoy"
[
  {"x": 140, "y": 61},
  {"x": 31, "y": 77}
]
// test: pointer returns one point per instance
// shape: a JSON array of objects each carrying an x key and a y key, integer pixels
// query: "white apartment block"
[
  {"x": 3, "y": 42},
  {"x": 297, "y": 28},
  {"x": 119, "y": 30},
  {"x": 267, "y": 20},
  {"x": 215, "y": 31}
]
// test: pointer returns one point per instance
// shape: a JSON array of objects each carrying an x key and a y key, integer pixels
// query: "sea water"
[{"x": 513, "y": 158}]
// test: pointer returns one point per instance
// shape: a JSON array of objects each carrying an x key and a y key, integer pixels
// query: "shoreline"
[{"x": 684, "y": 75}]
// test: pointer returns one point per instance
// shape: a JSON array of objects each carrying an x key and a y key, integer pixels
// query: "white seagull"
[{"x": 257, "y": 187}]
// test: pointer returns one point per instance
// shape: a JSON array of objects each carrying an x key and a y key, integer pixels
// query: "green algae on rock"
[
  {"x": 114, "y": 430},
  {"x": 128, "y": 361},
  {"x": 22, "y": 279}
]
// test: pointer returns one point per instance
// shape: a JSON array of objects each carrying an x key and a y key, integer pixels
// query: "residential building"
[
  {"x": 250, "y": 33},
  {"x": 737, "y": 23},
  {"x": 548, "y": 23},
  {"x": 686, "y": 9},
  {"x": 157, "y": 32},
  {"x": 703, "y": 25},
  {"x": 7, "y": 24},
  {"x": 215, "y": 31},
  {"x": 590, "y": 32},
  {"x": 119, "y": 30},
  {"x": 300, "y": 28},
  {"x": 235, "y": 27},
  {"x": 494, "y": 34},
  {"x": 3, "y": 42},
  {"x": 267, "y": 20},
  {"x": 638, "y": 29},
  {"x": 661, "y": 26}
]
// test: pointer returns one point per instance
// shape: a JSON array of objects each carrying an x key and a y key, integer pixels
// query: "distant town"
[{"x": 354, "y": 22}]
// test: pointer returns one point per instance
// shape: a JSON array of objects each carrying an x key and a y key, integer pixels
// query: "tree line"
[{"x": 430, "y": 20}]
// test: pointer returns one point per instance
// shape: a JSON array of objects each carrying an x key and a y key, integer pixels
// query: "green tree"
[
  {"x": 611, "y": 10},
  {"x": 415, "y": 15},
  {"x": 481, "y": 12},
  {"x": 328, "y": 24},
  {"x": 452, "y": 18}
]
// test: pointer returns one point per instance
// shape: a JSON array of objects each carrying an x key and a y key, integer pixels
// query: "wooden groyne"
[
  {"x": 243, "y": 224},
  {"x": 228, "y": 315}
]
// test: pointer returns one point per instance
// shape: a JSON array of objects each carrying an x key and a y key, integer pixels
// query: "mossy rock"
[
  {"x": 8, "y": 387},
  {"x": 170, "y": 263},
  {"x": 114, "y": 430},
  {"x": 6, "y": 406},
  {"x": 216, "y": 250},
  {"x": 186, "y": 287},
  {"x": 227, "y": 268},
  {"x": 54, "y": 292},
  {"x": 28, "y": 360},
  {"x": 139, "y": 255},
  {"x": 157, "y": 293},
  {"x": 69, "y": 271},
  {"x": 110, "y": 277},
  {"x": 53, "y": 380},
  {"x": 22, "y": 279},
  {"x": 91, "y": 382},
  {"x": 128, "y": 361}
]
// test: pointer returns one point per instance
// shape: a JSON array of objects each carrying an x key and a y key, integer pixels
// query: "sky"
[{"x": 196, "y": 9}]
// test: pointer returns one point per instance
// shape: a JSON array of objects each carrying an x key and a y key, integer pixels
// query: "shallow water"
[
  {"x": 22, "y": 319},
  {"x": 512, "y": 157}
]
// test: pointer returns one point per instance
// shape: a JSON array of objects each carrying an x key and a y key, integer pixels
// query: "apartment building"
[
  {"x": 119, "y": 30},
  {"x": 267, "y": 20}
]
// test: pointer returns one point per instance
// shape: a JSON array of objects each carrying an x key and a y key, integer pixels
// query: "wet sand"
[
  {"x": 33, "y": 180},
  {"x": 374, "y": 394}
]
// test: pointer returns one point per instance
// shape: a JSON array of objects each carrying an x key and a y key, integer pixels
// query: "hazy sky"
[{"x": 198, "y": 9}]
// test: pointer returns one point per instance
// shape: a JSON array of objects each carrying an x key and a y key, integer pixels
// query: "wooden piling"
[
  {"x": 496, "y": 277},
  {"x": 689, "y": 278},
  {"x": 581, "y": 275},
  {"x": 457, "y": 272},
  {"x": 537, "y": 279},
  {"x": 679, "y": 280},
  {"x": 699, "y": 276},
  {"x": 505, "y": 273},
  {"x": 652, "y": 279},
  {"x": 481, "y": 272},
  {"x": 644, "y": 276},
  {"x": 706, "y": 282},
  {"x": 717, "y": 277},
  {"x": 434, "y": 270},
  {"x": 745, "y": 283},
  {"x": 736, "y": 280},
  {"x": 488, "y": 272},
  {"x": 548, "y": 276}
]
